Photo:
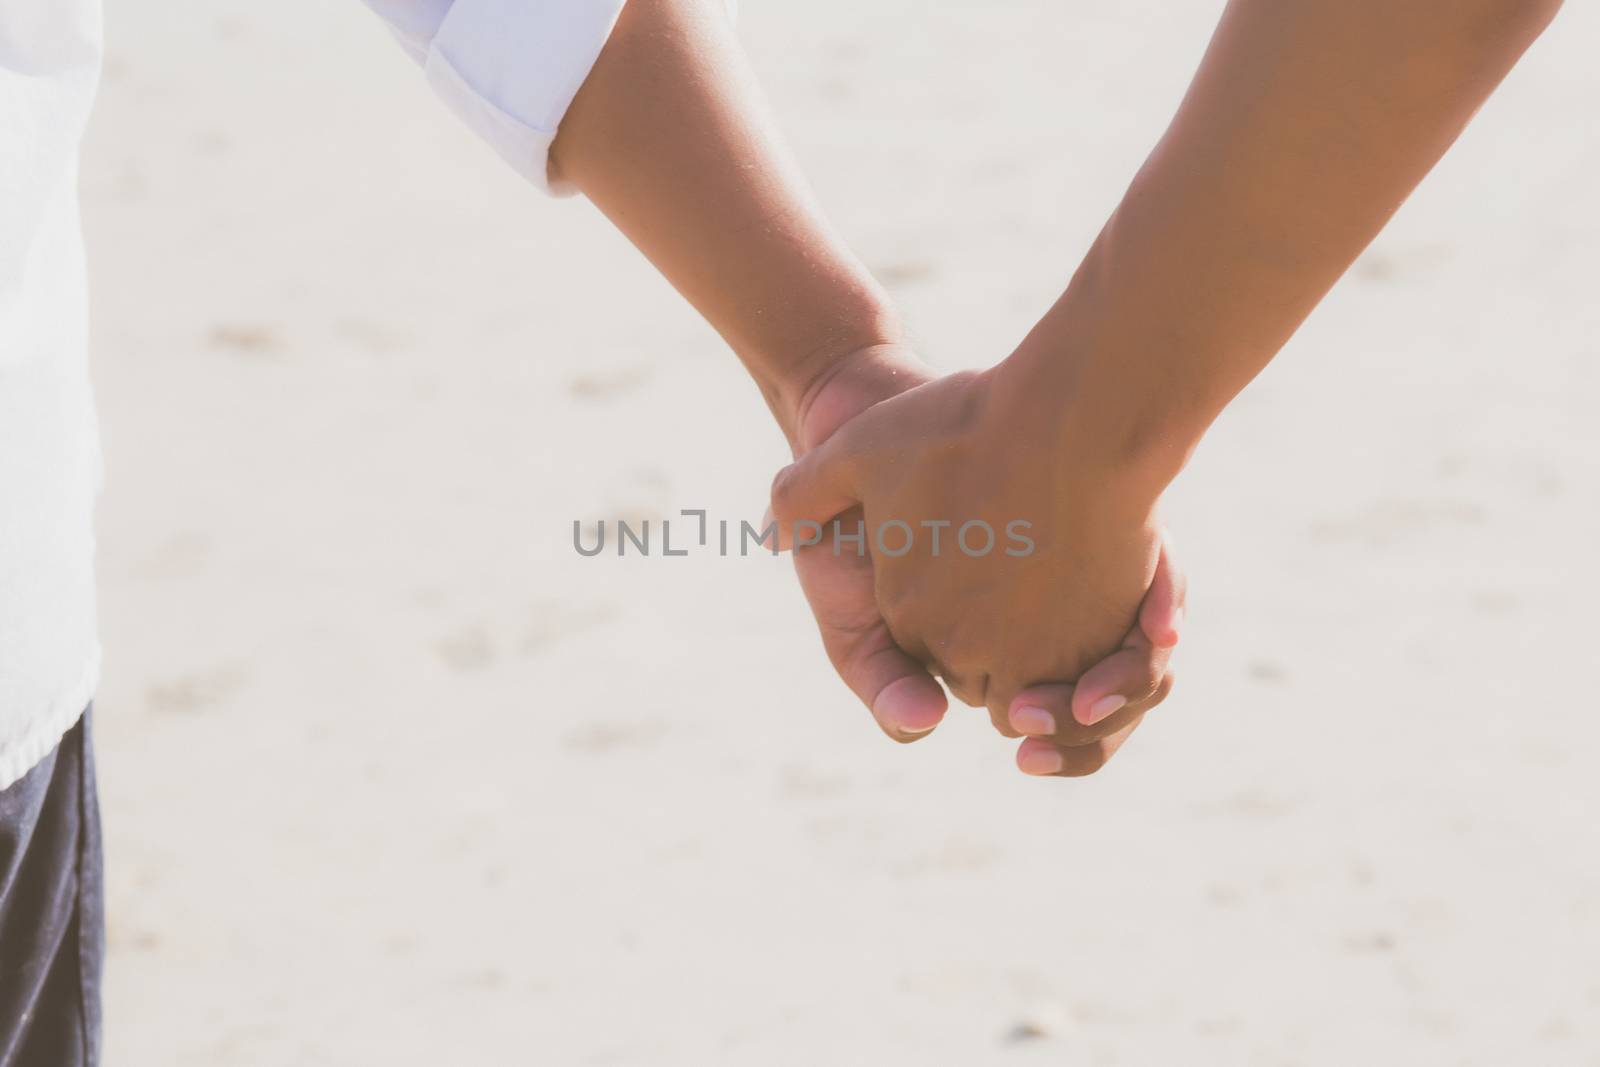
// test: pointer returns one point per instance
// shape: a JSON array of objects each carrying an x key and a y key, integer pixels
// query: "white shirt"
[{"x": 508, "y": 68}]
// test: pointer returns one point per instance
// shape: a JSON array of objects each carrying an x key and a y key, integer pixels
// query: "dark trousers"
[{"x": 52, "y": 911}]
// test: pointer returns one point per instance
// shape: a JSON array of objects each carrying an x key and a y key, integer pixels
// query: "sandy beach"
[{"x": 357, "y": 381}]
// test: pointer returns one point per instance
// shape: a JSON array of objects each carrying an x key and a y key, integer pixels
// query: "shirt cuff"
[{"x": 510, "y": 68}]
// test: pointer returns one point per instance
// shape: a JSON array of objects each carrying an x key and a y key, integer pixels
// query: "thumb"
[
  {"x": 1161, "y": 613},
  {"x": 1137, "y": 674},
  {"x": 812, "y": 490},
  {"x": 903, "y": 697}
]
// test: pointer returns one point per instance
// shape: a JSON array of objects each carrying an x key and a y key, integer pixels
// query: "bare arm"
[
  {"x": 671, "y": 139},
  {"x": 1307, "y": 125}
]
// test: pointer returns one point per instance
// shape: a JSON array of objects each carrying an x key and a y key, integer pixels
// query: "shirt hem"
[{"x": 44, "y": 731}]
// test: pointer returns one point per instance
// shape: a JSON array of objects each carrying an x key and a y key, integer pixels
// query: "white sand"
[{"x": 357, "y": 381}]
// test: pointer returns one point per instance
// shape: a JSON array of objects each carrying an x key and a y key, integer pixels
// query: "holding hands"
[
  {"x": 1301, "y": 133},
  {"x": 935, "y": 536}
]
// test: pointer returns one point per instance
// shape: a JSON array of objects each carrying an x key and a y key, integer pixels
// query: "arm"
[
  {"x": 668, "y": 135},
  {"x": 649, "y": 108},
  {"x": 1306, "y": 127},
  {"x": 671, "y": 139}
]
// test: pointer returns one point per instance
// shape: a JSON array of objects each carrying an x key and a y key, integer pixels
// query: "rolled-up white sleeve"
[{"x": 507, "y": 68}]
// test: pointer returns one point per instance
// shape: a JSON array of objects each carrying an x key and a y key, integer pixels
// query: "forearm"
[
  {"x": 670, "y": 138},
  {"x": 1305, "y": 128}
]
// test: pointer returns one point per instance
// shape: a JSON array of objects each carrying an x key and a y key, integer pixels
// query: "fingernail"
[
  {"x": 1040, "y": 761},
  {"x": 1105, "y": 707},
  {"x": 908, "y": 708},
  {"x": 1035, "y": 722}
]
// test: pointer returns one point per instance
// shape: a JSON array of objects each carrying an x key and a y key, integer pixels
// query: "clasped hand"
[{"x": 938, "y": 535}]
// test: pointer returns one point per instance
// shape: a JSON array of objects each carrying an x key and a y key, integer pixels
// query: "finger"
[
  {"x": 1161, "y": 613},
  {"x": 971, "y": 688},
  {"x": 904, "y": 698},
  {"x": 1131, "y": 676},
  {"x": 814, "y": 489},
  {"x": 1127, "y": 677},
  {"x": 1042, "y": 759},
  {"x": 1038, "y": 711},
  {"x": 910, "y": 706},
  {"x": 1007, "y": 724},
  {"x": 1046, "y": 711}
]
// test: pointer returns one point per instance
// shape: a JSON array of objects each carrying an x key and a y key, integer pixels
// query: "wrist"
[
  {"x": 806, "y": 376},
  {"x": 1130, "y": 443},
  {"x": 795, "y": 379},
  {"x": 850, "y": 385},
  {"x": 1081, "y": 383}
]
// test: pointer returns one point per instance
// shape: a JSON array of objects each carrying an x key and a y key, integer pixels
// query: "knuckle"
[
  {"x": 1001, "y": 721},
  {"x": 782, "y": 494},
  {"x": 1146, "y": 682},
  {"x": 1089, "y": 760},
  {"x": 961, "y": 647},
  {"x": 901, "y": 626},
  {"x": 1154, "y": 695},
  {"x": 1055, "y": 699},
  {"x": 1070, "y": 733},
  {"x": 968, "y": 688}
]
